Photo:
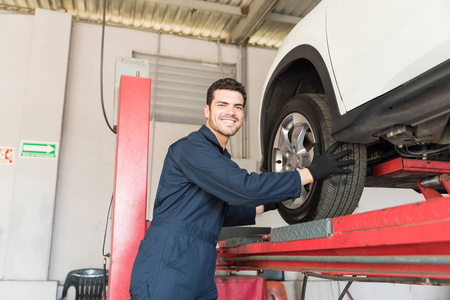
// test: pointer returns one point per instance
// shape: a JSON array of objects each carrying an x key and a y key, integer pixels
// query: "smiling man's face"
[{"x": 226, "y": 114}]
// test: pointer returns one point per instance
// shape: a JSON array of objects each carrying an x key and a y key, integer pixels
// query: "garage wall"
[{"x": 258, "y": 65}]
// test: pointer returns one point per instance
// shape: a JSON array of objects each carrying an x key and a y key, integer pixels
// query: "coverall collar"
[{"x": 209, "y": 135}]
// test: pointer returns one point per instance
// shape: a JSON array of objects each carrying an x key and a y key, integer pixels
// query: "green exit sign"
[{"x": 38, "y": 149}]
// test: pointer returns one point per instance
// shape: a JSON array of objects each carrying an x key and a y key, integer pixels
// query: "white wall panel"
[
  {"x": 31, "y": 221},
  {"x": 15, "y": 52}
]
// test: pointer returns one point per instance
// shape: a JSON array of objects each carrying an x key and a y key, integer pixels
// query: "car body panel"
[{"x": 376, "y": 46}]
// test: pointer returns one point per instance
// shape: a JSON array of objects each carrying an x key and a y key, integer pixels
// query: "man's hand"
[{"x": 327, "y": 164}]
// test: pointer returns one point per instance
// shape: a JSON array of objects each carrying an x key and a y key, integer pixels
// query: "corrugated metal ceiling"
[{"x": 262, "y": 23}]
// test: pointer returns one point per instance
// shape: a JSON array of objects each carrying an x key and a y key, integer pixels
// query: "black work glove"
[
  {"x": 327, "y": 164},
  {"x": 269, "y": 206}
]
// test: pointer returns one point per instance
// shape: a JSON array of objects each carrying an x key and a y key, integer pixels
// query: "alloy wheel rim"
[{"x": 292, "y": 150}]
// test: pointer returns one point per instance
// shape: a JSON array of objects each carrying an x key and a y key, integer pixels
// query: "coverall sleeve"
[
  {"x": 215, "y": 173},
  {"x": 239, "y": 215}
]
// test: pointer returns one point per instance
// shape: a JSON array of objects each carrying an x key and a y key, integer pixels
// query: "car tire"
[{"x": 303, "y": 121}]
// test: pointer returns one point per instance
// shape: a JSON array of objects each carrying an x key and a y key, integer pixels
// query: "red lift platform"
[{"x": 403, "y": 244}]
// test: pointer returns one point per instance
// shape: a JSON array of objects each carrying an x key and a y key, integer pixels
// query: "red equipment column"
[{"x": 130, "y": 192}]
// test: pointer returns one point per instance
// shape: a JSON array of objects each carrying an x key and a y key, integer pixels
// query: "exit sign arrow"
[{"x": 38, "y": 149}]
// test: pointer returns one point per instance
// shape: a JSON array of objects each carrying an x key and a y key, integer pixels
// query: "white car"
[{"x": 374, "y": 75}]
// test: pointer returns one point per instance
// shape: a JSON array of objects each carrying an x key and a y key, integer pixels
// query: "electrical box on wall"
[{"x": 130, "y": 67}]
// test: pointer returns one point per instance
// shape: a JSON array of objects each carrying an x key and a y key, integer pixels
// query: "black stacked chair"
[{"x": 89, "y": 284}]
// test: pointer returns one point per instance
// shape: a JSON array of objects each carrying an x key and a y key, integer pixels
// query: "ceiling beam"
[
  {"x": 257, "y": 12},
  {"x": 204, "y": 5},
  {"x": 283, "y": 18},
  {"x": 15, "y": 8}
]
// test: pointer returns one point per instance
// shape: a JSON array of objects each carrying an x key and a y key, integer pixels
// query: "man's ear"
[{"x": 206, "y": 111}]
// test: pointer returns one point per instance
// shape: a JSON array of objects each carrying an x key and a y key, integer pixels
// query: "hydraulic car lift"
[{"x": 408, "y": 243}]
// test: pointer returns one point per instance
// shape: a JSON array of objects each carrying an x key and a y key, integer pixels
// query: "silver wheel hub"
[{"x": 292, "y": 150}]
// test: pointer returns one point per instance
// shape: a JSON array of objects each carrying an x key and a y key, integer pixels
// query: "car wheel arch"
[{"x": 301, "y": 71}]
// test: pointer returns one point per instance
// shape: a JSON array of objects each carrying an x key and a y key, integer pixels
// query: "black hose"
[
  {"x": 101, "y": 68},
  {"x": 106, "y": 228},
  {"x": 105, "y": 255},
  {"x": 104, "y": 278},
  {"x": 305, "y": 281}
]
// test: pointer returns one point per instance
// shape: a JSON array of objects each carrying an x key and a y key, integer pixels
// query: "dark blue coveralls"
[{"x": 201, "y": 189}]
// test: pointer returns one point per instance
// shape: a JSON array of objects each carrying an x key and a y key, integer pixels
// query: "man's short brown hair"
[{"x": 225, "y": 84}]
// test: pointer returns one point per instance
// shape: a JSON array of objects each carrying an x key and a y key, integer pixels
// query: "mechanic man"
[{"x": 201, "y": 190}]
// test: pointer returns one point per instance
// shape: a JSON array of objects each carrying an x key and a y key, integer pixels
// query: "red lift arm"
[{"x": 409, "y": 243}]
